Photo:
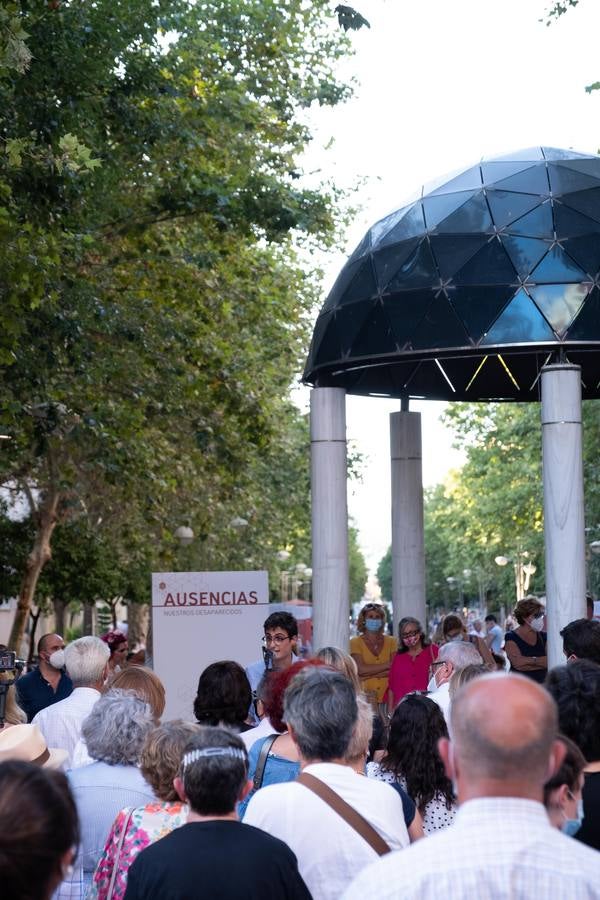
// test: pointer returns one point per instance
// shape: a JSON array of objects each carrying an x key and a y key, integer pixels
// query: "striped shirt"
[{"x": 498, "y": 848}]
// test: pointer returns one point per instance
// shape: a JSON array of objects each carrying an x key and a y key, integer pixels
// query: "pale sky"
[{"x": 441, "y": 84}]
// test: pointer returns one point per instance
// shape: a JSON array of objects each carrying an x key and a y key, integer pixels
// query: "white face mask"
[
  {"x": 57, "y": 659},
  {"x": 432, "y": 686},
  {"x": 537, "y": 624}
]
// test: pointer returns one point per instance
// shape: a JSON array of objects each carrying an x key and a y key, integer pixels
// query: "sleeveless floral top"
[{"x": 144, "y": 825}]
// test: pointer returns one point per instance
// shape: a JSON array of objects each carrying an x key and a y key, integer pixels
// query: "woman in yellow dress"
[{"x": 373, "y": 651}]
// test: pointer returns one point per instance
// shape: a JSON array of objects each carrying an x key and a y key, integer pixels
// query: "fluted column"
[
  {"x": 564, "y": 529},
  {"x": 408, "y": 546},
  {"x": 329, "y": 518}
]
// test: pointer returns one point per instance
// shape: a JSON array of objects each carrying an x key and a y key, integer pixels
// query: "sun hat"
[{"x": 27, "y": 743}]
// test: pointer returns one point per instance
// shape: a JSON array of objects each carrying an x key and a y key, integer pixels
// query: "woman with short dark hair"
[
  {"x": 223, "y": 696},
  {"x": 39, "y": 831},
  {"x": 526, "y": 645}
]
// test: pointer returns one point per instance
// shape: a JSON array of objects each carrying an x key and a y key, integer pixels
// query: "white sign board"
[{"x": 199, "y": 618}]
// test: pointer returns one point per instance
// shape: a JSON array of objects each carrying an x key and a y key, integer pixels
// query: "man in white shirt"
[
  {"x": 320, "y": 711},
  {"x": 86, "y": 661},
  {"x": 453, "y": 657},
  {"x": 499, "y": 765}
]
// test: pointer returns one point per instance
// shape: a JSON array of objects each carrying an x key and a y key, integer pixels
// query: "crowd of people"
[{"x": 405, "y": 767}]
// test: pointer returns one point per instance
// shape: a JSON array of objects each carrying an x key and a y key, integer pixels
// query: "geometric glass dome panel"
[{"x": 468, "y": 290}]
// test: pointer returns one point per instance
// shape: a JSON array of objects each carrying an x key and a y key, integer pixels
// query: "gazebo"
[{"x": 485, "y": 287}]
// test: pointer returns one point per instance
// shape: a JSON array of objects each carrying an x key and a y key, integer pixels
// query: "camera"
[{"x": 9, "y": 661}]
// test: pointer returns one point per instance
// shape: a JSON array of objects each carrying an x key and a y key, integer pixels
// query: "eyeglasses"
[
  {"x": 376, "y": 606},
  {"x": 275, "y": 639},
  {"x": 410, "y": 634},
  {"x": 434, "y": 665}
]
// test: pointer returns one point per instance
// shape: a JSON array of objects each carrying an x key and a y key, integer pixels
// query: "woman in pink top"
[{"x": 410, "y": 666}]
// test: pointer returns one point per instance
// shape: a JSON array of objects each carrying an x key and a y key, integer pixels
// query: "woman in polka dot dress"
[{"x": 412, "y": 760}]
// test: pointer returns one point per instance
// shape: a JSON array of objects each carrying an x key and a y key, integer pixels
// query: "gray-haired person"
[
  {"x": 214, "y": 855},
  {"x": 114, "y": 732},
  {"x": 453, "y": 657},
  {"x": 320, "y": 709},
  {"x": 86, "y": 661}
]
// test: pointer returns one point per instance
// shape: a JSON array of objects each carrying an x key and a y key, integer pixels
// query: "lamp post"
[
  {"x": 283, "y": 556},
  {"x": 459, "y": 583},
  {"x": 184, "y": 535},
  {"x": 523, "y": 571}
]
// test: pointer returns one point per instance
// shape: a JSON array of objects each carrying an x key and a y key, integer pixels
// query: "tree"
[
  {"x": 493, "y": 506},
  {"x": 152, "y": 213},
  {"x": 357, "y": 567},
  {"x": 384, "y": 575}
]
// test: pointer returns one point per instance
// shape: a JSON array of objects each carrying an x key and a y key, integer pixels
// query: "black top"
[
  {"x": 222, "y": 859},
  {"x": 589, "y": 833},
  {"x": 538, "y": 649},
  {"x": 409, "y": 807},
  {"x": 35, "y": 693}
]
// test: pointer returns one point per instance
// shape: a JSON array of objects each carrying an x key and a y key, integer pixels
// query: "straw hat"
[{"x": 27, "y": 743}]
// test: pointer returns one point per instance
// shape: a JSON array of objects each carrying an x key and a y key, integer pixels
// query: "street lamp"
[
  {"x": 238, "y": 522},
  {"x": 523, "y": 571},
  {"x": 184, "y": 535}
]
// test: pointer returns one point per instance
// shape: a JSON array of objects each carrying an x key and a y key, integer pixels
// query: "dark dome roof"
[{"x": 468, "y": 291}]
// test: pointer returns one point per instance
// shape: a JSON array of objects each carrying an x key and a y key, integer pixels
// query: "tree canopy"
[{"x": 155, "y": 271}]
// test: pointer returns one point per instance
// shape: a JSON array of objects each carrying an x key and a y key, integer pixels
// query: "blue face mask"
[
  {"x": 572, "y": 826},
  {"x": 373, "y": 624}
]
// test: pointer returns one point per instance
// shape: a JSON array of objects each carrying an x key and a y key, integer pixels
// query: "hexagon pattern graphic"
[{"x": 467, "y": 291}]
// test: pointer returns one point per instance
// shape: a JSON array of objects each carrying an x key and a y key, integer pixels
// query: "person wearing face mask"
[
  {"x": 410, "y": 666},
  {"x": 562, "y": 793},
  {"x": 372, "y": 651},
  {"x": 87, "y": 661},
  {"x": 453, "y": 657},
  {"x": 526, "y": 645},
  {"x": 47, "y": 684},
  {"x": 454, "y": 629}
]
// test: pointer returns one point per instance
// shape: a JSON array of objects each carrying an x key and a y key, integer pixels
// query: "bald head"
[{"x": 503, "y": 728}]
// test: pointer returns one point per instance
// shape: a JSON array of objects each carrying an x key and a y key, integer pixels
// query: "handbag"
[
  {"x": 346, "y": 812},
  {"x": 115, "y": 869}
]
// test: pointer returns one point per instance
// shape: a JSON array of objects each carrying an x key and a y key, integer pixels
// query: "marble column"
[
  {"x": 564, "y": 530},
  {"x": 331, "y": 607},
  {"x": 408, "y": 547}
]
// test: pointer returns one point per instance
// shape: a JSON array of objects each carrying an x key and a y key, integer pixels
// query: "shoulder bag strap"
[
  {"x": 261, "y": 762},
  {"x": 115, "y": 868},
  {"x": 346, "y": 812}
]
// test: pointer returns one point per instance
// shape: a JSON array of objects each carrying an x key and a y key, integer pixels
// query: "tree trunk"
[
  {"x": 88, "y": 618},
  {"x": 137, "y": 621},
  {"x": 37, "y": 559},
  {"x": 34, "y": 619},
  {"x": 60, "y": 607}
]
